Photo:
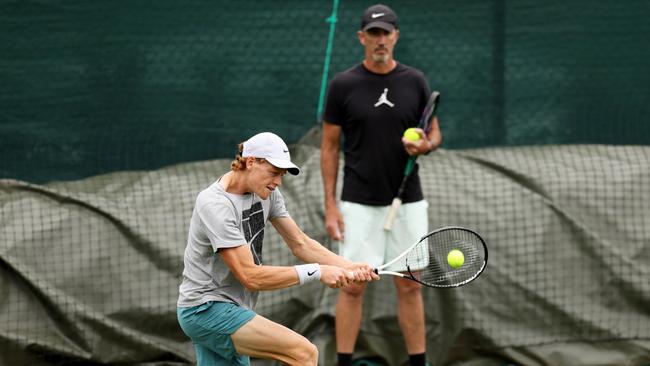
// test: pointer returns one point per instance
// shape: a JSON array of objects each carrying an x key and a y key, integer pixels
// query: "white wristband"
[{"x": 308, "y": 272}]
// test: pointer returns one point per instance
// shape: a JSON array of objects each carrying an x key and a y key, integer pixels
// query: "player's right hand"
[{"x": 336, "y": 277}]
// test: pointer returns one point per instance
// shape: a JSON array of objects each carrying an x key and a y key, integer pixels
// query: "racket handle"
[
  {"x": 392, "y": 213},
  {"x": 381, "y": 272}
]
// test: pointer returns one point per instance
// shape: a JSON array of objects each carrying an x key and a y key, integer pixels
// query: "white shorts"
[{"x": 366, "y": 240}]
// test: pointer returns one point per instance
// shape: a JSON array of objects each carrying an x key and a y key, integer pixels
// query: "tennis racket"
[
  {"x": 424, "y": 124},
  {"x": 428, "y": 260}
]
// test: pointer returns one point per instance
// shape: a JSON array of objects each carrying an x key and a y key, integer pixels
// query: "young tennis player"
[{"x": 224, "y": 268}]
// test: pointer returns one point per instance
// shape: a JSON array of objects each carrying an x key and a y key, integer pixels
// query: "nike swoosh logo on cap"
[{"x": 377, "y": 15}]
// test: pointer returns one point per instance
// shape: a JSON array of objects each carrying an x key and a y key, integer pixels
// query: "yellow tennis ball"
[
  {"x": 411, "y": 134},
  {"x": 455, "y": 258}
]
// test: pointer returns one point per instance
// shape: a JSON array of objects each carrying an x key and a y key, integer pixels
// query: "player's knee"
[{"x": 306, "y": 354}]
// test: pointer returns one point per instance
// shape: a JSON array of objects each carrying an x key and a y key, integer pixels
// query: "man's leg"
[
  {"x": 364, "y": 242},
  {"x": 263, "y": 338},
  {"x": 410, "y": 312},
  {"x": 349, "y": 308},
  {"x": 411, "y": 224}
]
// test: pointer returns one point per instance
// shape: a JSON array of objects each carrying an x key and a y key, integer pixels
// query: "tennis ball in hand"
[
  {"x": 455, "y": 258},
  {"x": 411, "y": 134}
]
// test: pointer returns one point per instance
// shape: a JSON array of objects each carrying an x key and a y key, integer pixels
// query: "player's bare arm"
[
  {"x": 254, "y": 277},
  {"x": 262, "y": 278},
  {"x": 309, "y": 250}
]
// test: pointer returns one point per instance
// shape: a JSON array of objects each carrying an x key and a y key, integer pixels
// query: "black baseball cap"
[{"x": 379, "y": 16}]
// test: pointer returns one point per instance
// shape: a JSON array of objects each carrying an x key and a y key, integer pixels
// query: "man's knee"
[
  {"x": 407, "y": 287},
  {"x": 354, "y": 290}
]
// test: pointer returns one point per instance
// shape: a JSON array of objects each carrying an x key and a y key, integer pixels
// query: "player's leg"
[
  {"x": 210, "y": 326},
  {"x": 263, "y": 338},
  {"x": 206, "y": 357},
  {"x": 364, "y": 242},
  {"x": 410, "y": 225}
]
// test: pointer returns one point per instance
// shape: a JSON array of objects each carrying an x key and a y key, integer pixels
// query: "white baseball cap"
[{"x": 270, "y": 146}]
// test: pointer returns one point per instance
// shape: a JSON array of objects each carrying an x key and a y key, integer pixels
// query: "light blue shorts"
[
  {"x": 367, "y": 241},
  {"x": 210, "y": 326}
]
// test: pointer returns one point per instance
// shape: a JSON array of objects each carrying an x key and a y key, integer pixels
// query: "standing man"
[
  {"x": 372, "y": 104},
  {"x": 224, "y": 269}
]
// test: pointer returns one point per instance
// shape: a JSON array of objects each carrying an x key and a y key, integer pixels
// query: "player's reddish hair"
[{"x": 239, "y": 163}]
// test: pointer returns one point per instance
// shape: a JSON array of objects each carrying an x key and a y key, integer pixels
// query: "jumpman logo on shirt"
[{"x": 383, "y": 99}]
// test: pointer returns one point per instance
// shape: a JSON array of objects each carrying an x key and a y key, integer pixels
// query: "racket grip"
[{"x": 392, "y": 213}]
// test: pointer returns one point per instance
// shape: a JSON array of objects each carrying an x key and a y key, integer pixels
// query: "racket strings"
[{"x": 427, "y": 261}]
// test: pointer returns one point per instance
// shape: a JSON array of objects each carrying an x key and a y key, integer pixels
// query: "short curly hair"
[{"x": 239, "y": 163}]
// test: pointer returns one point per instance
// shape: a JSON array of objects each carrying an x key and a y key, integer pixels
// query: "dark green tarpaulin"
[{"x": 89, "y": 269}]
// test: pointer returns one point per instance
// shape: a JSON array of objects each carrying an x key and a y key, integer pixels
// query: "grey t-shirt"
[{"x": 224, "y": 220}]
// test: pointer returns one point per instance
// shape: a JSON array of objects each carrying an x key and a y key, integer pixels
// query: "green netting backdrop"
[
  {"x": 91, "y": 87},
  {"x": 114, "y": 115}
]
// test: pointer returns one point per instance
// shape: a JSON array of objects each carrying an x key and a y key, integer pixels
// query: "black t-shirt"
[{"x": 373, "y": 111}]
